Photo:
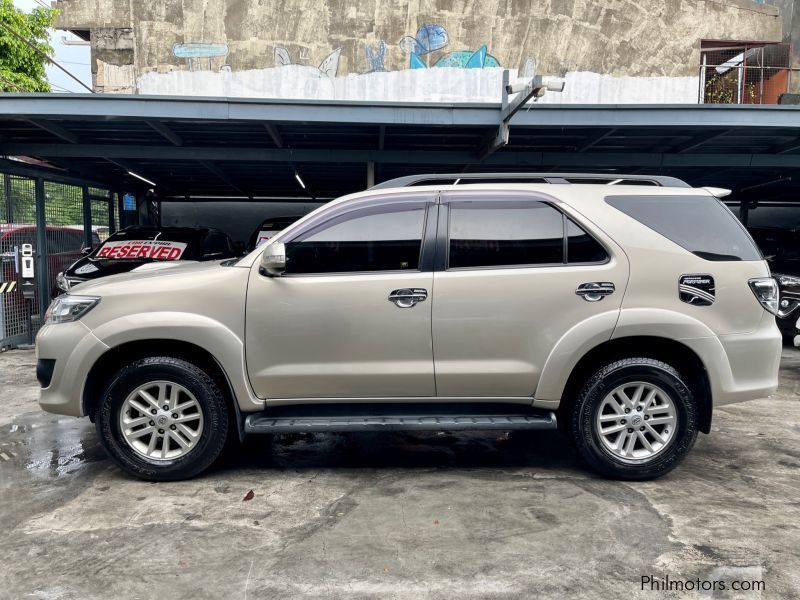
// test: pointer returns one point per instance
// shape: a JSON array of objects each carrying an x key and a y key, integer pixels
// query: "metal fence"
[
  {"x": 53, "y": 220},
  {"x": 744, "y": 73}
]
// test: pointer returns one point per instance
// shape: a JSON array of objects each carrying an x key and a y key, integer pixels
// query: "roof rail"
[{"x": 585, "y": 178}]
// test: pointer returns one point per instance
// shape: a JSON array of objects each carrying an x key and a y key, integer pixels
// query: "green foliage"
[
  {"x": 63, "y": 203},
  {"x": 20, "y": 67}
]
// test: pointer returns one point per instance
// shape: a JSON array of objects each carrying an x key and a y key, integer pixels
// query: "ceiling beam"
[
  {"x": 221, "y": 174},
  {"x": 597, "y": 139},
  {"x": 425, "y": 157},
  {"x": 273, "y": 132},
  {"x": 165, "y": 132},
  {"x": 699, "y": 140},
  {"x": 131, "y": 168},
  {"x": 55, "y": 130},
  {"x": 69, "y": 176},
  {"x": 86, "y": 107},
  {"x": 787, "y": 147}
]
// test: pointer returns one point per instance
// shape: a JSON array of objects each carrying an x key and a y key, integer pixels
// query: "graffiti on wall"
[
  {"x": 420, "y": 48},
  {"x": 376, "y": 59},
  {"x": 329, "y": 66},
  {"x": 199, "y": 50},
  {"x": 430, "y": 38}
]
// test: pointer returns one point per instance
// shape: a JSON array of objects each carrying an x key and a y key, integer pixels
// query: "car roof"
[{"x": 9, "y": 228}]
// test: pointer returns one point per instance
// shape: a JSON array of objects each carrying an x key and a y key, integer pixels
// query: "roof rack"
[{"x": 562, "y": 178}]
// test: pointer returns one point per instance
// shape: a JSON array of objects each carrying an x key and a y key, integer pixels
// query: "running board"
[{"x": 272, "y": 421}]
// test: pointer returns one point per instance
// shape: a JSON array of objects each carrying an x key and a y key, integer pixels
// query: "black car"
[
  {"x": 781, "y": 248},
  {"x": 139, "y": 245},
  {"x": 267, "y": 229}
]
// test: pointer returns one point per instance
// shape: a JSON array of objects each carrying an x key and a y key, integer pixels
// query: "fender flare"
[
  {"x": 585, "y": 336},
  {"x": 224, "y": 345}
]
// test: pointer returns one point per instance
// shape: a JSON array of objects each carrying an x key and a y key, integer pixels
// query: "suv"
[{"x": 624, "y": 309}]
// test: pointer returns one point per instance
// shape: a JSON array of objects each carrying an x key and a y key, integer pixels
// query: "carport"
[
  {"x": 127, "y": 158},
  {"x": 252, "y": 149}
]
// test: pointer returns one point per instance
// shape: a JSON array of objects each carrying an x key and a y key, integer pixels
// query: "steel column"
[
  {"x": 7, "y": 198},
  {"x": 87, "y": 217},
  {"x": 370, "y": 173},
  {"x": 113, "y": 205},
  {"x": 41, "y": 248},
  {"x": 744, "y": 206}
]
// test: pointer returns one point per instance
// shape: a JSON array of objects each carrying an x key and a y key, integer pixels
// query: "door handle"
[
  {"x": 408, "y": 297},
  {"x": 595, "y": 290}
]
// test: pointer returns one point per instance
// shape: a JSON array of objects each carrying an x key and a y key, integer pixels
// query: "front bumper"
[{"x": 75, "y": 349}]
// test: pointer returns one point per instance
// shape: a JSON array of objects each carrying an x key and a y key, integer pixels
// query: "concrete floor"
[{"x": 405, "y": 516}]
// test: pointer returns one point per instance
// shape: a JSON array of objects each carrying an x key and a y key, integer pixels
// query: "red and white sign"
[
  {"x": 142, "y": 250},
  {"x": 265, "y": 236}
]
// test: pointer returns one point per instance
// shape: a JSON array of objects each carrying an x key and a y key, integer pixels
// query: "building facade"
[{"x": 433, "y": 50}]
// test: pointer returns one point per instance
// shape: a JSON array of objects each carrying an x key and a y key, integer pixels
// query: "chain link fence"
[{"x": 48, "y": 223}]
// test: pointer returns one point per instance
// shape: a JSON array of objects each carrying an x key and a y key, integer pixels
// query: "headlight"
[
  {"x": 67, "y": 308},
  {"x": 62, "y": 282}
]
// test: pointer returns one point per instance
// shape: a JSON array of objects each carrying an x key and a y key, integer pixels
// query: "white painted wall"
[{"x": 413, "y": 85}]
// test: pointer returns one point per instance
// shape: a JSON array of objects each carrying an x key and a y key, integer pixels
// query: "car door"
[
  {"x": 512, "y": 279},
  {"x": 351, "y": 316}
]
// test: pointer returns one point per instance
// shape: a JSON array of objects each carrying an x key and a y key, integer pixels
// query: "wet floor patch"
[{"x": 406, "y": 515}]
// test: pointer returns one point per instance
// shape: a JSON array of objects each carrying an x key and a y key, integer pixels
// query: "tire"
[
  {"x": 169, "y": 460},
  {"x": 600, "y": 398}
]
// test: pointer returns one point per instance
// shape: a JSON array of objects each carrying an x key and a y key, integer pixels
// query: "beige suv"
[{"x": 622, "y": 308}]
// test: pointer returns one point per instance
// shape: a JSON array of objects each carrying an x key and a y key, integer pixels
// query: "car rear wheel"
[
  {"x": 635, "y": 419},
  {"x": 162, "y": 418}
]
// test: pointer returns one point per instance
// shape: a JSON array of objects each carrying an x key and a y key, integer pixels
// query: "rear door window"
[
  {"x": 500, "y": 233},
  {"x": 700, "y": 224},
  {"x": 582, "y": 247}
]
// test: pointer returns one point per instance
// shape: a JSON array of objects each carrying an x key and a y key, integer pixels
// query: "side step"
[{"x": 388, "y": 417}]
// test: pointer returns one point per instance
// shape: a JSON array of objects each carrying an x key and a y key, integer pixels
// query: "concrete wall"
[
  {"x": 135, "y": 43},
  {"x": 790, "y": 15}
]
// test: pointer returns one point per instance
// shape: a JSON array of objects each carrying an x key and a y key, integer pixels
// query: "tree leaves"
[{"x": 21, "y": 68}]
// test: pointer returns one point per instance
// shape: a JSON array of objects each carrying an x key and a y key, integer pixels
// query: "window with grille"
[{"x": 743, "y": 72}]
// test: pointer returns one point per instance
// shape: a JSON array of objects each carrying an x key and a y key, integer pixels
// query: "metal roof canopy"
[{"x": 240, "y": 147}]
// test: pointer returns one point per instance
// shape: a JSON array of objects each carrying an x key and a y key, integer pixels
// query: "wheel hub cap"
[
  {"x": 161, "y": 420},
  {"x": 636, "y": 421}
]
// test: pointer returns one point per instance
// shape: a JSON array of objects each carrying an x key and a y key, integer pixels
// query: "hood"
[
  {"x": 88, "y": 268},
  {"x": 99, "y": 286}
]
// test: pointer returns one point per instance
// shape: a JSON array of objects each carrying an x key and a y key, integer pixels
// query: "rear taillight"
[{"x": 766, "y": 290}]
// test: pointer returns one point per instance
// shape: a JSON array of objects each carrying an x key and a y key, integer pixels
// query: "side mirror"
[{"x": 273, "y": 259}]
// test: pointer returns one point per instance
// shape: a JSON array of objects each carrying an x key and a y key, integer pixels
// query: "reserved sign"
[{"x": 142, "y": 249}]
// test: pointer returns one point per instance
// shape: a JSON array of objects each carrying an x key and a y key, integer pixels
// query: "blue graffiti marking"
[
  {"x": 415, "y": 62},
  {"x": 199, "y": 50},
  {"x": 467, "y": 59},
  {"x": 428, "y": 39},
  {"x": 476, "y": 60},
  {"x": 375, "y": 59}
]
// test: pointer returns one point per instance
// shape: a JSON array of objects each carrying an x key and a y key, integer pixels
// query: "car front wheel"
[
  {"x": 162, "y": 418},
  {"x": 635, "y": 419}
]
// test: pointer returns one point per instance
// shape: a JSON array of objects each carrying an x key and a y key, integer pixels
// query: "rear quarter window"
[{"x": 700, "y": 224}]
